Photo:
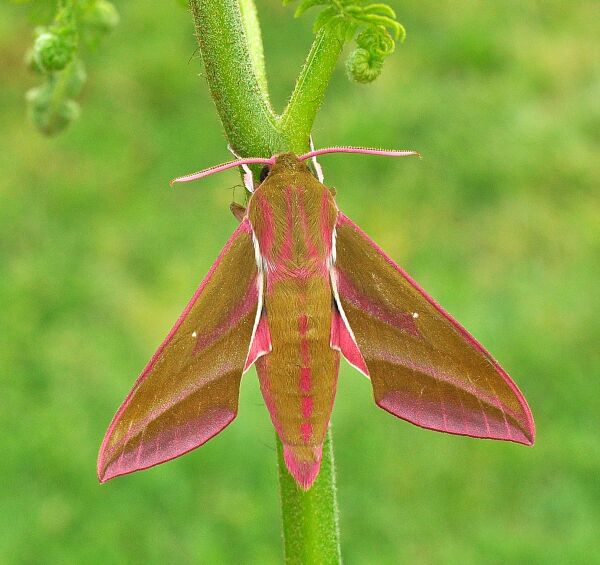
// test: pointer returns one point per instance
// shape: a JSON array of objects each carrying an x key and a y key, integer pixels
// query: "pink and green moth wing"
[
  {"x": 424, "y": 366},
  {"x": 189, "y": 390}
]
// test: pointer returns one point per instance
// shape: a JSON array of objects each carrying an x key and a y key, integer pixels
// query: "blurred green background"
[{"x": 499, "y": 221}]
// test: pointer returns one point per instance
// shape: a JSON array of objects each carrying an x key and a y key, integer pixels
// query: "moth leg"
[{"x": 238, "y": 211}]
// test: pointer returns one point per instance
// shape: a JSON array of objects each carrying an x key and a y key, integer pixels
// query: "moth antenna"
[
  {"x": 360, "y": 150},
  {"x": 223, "y": 167}
]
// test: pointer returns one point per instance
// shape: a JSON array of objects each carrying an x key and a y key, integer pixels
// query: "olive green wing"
[
  {"x": 424, "y": 366},
  {"x": 189, "y": 390}
]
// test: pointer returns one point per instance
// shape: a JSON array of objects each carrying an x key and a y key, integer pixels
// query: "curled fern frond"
[
  {"x": 97, "y": 21},
  {"x": 55, "y": 55},
  {"x": 362, "y": 66},
  {"x": 373, "y": 26},
  {"x": 365, "y": 63},
  {"x": 53, "y": 51},
  {"x": 52, "y": 106}
]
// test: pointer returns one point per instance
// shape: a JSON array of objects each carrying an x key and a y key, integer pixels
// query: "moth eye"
[{"x": 264, "y": 173}]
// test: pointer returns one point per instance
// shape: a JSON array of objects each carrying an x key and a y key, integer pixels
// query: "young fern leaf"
[
  {"x": 307, "y": 4},
  {"x": 328, "y": 17},
  {"x": 373, "y": 26},
  {"x": 55, "y": 55}
]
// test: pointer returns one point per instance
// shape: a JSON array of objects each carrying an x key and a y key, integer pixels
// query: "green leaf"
[
  {"x": 307, "y": 5},
  {"x": 383, "y": 21},
  {"x": 382, "y": 9},
  {"x": 326, "y": 17}
]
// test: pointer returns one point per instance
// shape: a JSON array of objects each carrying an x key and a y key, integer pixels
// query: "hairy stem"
[
  {"x": 255, "y": 45},
  {"x": 299, "y": 116},
  {"x": 310, "y": 519},
  {"x": 249, "y": 122}
]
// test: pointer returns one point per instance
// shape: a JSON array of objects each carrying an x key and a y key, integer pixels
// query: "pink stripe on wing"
[
  {"x": 206, "y": 340},
  {"x": 401, "y": 320}
]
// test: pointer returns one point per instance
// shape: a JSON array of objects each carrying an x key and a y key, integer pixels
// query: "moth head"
[
  {"x": 284, "y": 164},
  {"x": 264, "y": 173}
]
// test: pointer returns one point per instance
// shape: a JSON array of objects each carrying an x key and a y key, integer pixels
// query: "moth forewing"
[{"x": 189, "y": 390}]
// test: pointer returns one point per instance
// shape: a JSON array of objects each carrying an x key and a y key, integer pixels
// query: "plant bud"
[
  {"x": 48, "y": 115},
  {"x": 102, "y": 18},
  {"x": 31, "y": 63},
  {"x": 51, "y": 52}
]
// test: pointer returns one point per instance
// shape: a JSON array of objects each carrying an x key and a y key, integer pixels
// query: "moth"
[{"x": 297, "y": 285}]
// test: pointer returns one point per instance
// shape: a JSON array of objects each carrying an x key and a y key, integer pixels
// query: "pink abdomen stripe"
[{"x": 305, "y": 377}]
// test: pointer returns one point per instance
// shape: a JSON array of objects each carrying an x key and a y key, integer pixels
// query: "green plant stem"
[
  {"x": 231, "y": 47},
  {"x": 298, "y": 118},
  {"x": 310, "y": 519},
  {"x": 255, "y": 44},
  {"x": 249, "y": 122}
]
